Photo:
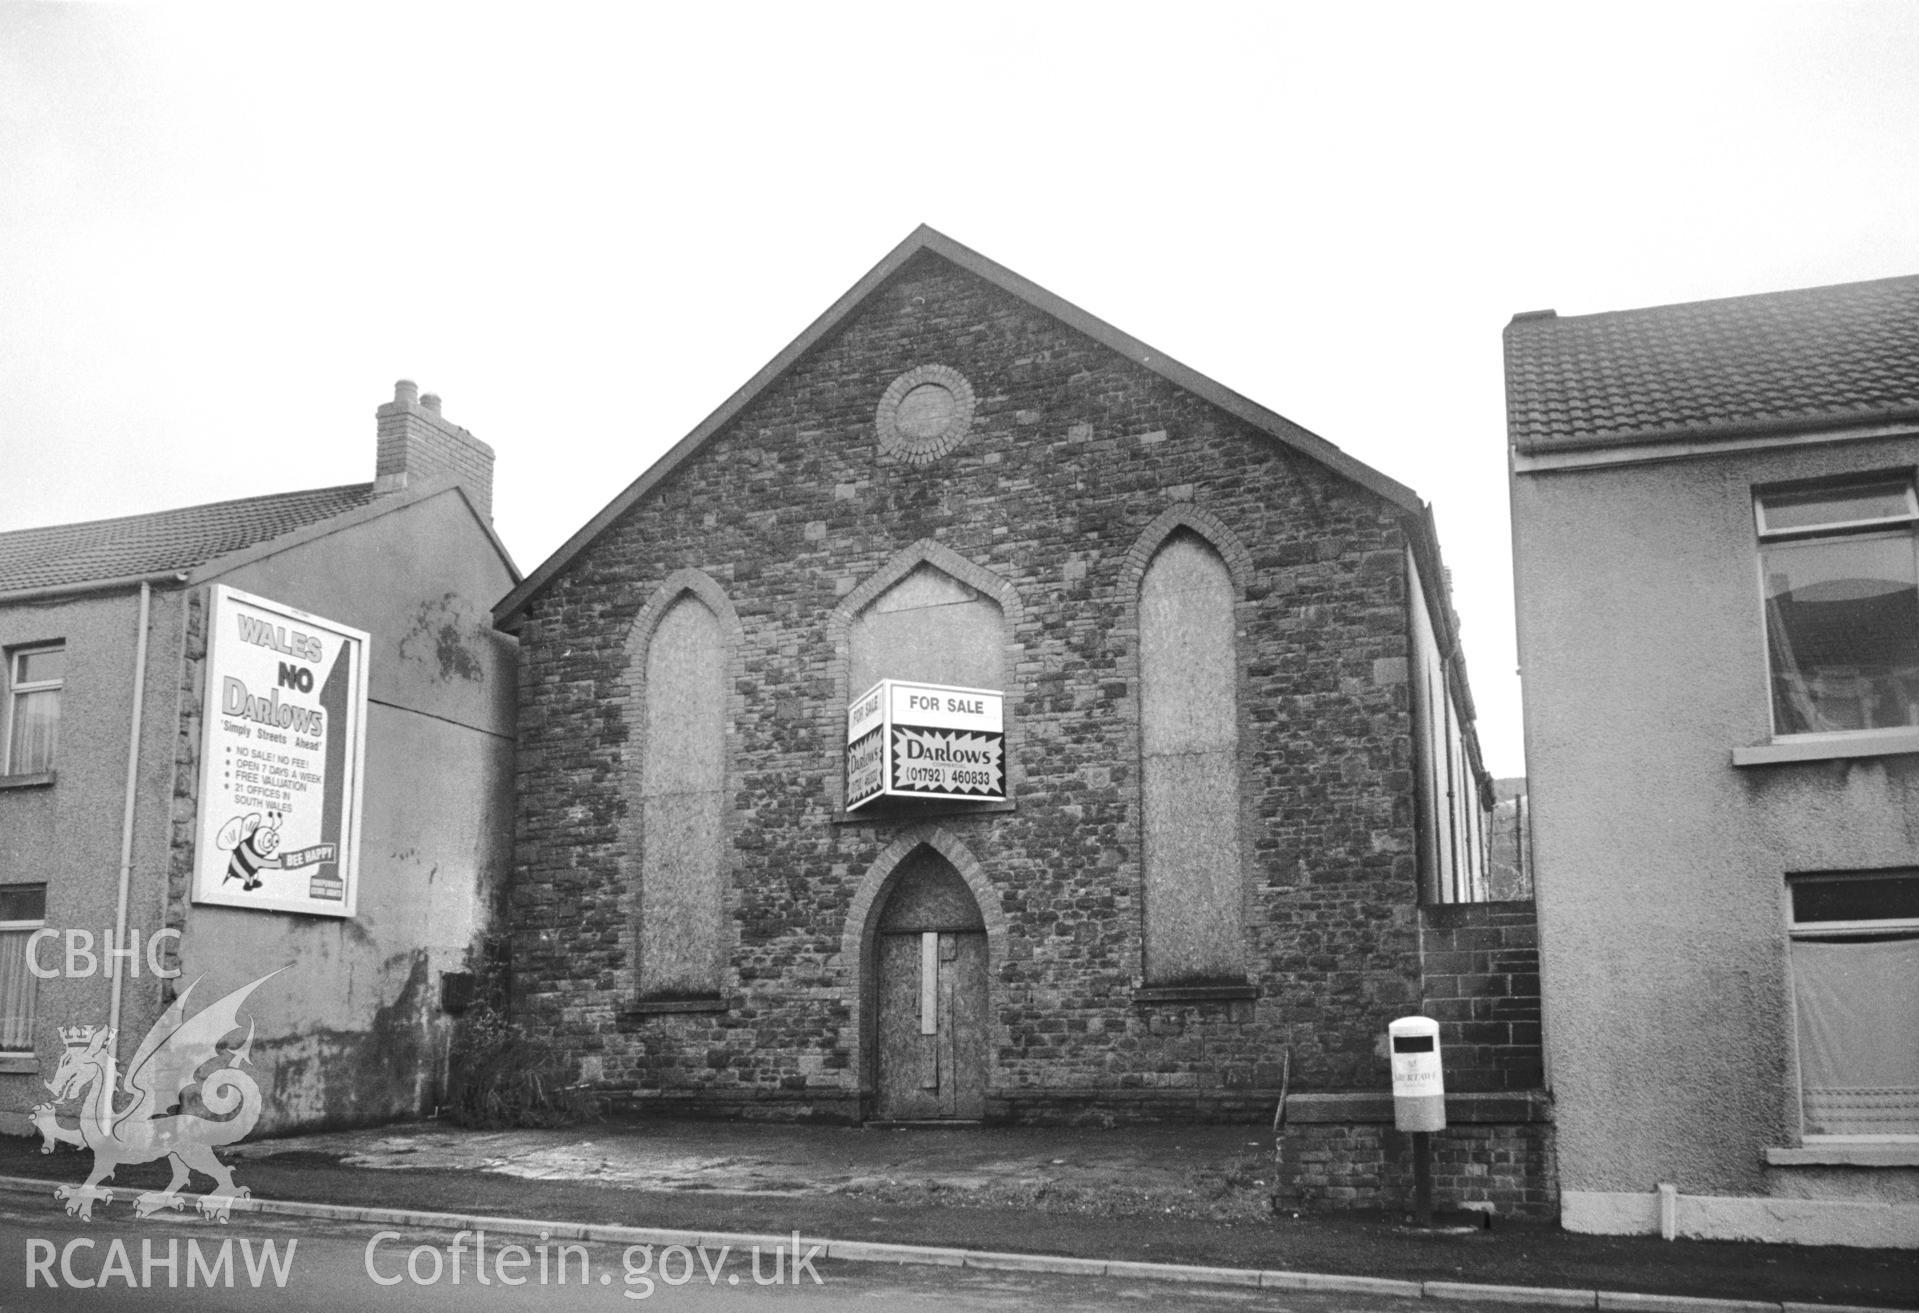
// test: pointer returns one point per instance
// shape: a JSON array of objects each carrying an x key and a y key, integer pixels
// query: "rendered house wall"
[
  {"x": 353, "y": 1030},
  {"x": 1659, "y": 865},
  {"x": 67, "y": 834}
]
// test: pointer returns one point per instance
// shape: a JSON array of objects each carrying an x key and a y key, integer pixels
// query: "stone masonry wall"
[
  {"x": 1073, "y": 453},
  {"x": 1505, "y": 1167},
  {"x": 184, "y": 805}
]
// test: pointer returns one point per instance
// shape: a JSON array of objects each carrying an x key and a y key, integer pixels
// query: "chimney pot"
[{"x": 415, "y": 442}]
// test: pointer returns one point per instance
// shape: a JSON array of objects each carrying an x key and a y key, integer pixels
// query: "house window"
[
  {"x": 23, "y": 910},
  {"x": 1855, "y": 970},
  {"x": 34, "y": 676},
  {"x": 1841, "y": 588}
]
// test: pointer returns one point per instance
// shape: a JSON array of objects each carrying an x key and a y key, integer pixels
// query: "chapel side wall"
[
  {"x": 1452, "y": 819},
  {"x": 1074, "y": 452},
  {"x": 1659, "y": 866},
  {"x": 1426, "y": 680}
]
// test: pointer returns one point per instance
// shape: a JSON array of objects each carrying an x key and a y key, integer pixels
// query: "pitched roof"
[
  {"x": 1817, "y": 357},
  {"x": 921, "y": 239},
  {"x": 132, "y": 545}
]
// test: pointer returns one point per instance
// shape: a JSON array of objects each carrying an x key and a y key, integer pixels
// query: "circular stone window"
[{"x": 926, "y": 413}]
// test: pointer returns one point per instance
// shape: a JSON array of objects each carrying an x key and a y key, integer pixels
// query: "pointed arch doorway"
[{"x": 929, "y": 971}]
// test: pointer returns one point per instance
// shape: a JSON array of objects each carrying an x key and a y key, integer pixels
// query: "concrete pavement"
[{"x": 1188, "y": 1204}]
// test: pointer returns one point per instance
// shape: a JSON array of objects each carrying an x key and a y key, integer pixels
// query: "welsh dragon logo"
[{"x": 164, "y": 1072}]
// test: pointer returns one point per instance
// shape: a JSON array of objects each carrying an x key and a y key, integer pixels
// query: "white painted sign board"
[{"x": 281, "y": 759}]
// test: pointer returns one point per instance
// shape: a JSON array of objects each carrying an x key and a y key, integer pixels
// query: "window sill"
[
  {"x": 659, "y": 1006},
  {"x": 1857, "y": 1153},
  {"x": 1824, "y": 747},
  {"x": 1195, "y": 993},
  {"x": 931, "y": 809},
  {"x": 39, "y": 779},
  {"x": 19, "y": 1064}
]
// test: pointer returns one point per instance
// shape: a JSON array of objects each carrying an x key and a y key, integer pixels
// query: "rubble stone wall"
[
  {"x": 1078, "y": 462},
  {"x": 1357, "y": 1160}
]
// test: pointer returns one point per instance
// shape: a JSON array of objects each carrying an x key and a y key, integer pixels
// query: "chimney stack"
[{"x": 416, "y": 444}]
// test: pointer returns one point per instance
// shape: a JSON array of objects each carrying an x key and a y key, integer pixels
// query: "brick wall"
[
  {"x": 1074, "y": 453},
  {"x": 414, "y": 441},
  {"x": 1481, "y": 967}
]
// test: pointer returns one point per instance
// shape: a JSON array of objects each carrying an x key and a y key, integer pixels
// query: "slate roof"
[
  {"x": 65, "y": 554},
  {"x": 1818, "y": 357}
]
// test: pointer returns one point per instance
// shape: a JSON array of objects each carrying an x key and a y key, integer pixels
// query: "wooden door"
[{"x": 932, "y": 1026}]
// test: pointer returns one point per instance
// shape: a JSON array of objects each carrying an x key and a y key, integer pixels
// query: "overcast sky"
[{"x": 225, "y": 231}]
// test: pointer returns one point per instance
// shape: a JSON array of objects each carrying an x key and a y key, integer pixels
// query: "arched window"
[
  {"x": 679, "y": 794},
  {"x": 930, "y": 627},
  {"x": 1189, "y": 766},
  {"x": 930, "y": 616}
]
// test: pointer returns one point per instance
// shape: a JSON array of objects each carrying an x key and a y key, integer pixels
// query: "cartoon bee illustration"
[{"x": 252, "y": 845}]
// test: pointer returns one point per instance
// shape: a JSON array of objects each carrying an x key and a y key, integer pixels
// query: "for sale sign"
[
  {"x": 865, "y": 769},
  {"x": 907, "y": 740}
]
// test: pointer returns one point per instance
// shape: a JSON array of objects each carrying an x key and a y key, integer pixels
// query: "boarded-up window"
[
  {"x": 682, "y": 786},
  {"x": 928, "y": 627},
  {"x": 1189, "y": 747}
]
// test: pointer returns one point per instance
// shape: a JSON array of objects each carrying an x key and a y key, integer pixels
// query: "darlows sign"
[
  {"x": 280, "y": 760},
  {"x": 925, "y": 741}
]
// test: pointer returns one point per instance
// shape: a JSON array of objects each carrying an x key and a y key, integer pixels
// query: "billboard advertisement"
[
  {"x": 281, "y": 759},
  {"x": 908, "y": 740}
]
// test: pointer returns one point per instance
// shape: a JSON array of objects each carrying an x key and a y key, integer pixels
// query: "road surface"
[{"x": 260, "y": 1261}]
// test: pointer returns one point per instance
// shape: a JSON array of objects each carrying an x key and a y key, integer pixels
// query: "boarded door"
[
  {"x": 930, "y": 974},
  {"x": 932, "y": 1067}
]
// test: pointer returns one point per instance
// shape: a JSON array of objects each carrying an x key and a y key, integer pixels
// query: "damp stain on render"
[
  {"x": 332, "y": 1076},
  {"x": 445, "y": 635}
]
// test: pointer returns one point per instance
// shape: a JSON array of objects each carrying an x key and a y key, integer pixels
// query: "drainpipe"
[{"x": 126, "y": 820}]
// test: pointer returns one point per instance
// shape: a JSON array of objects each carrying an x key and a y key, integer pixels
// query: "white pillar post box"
[{"x": 1419, "y": 1084}]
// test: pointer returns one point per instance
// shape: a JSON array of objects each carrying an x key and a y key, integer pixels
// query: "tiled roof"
[
  {"x": 181, "y": 539},
  {"x": 1817, "y": 357}
]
